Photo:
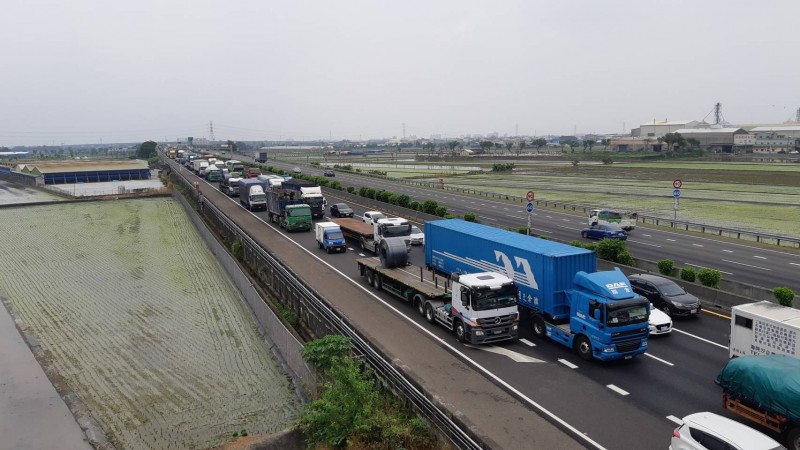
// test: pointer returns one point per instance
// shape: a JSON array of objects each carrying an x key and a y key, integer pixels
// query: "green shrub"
[
  {"x": 784, "y": 295},
  {"x": 688, "y": 274},
  {"x": 323, "y": 353},
  {"x": 709, "y": 277},
  {"x": 236, "y": 250},
  {"x": 371, "y": 193},
  {"x": 522, "y": 230},
  {"x": 350, "y": 189},
  {"x": 611, "y": 250},
  {"x": 335, "y": 185},
  {"x": 449, "y": 216},
  {"x": 578, "y": 244},
  {"x": 666, "y": 266},
  {"x": 393, "y": 199},
  {"x": 414, "y": 206},
  {"x": 469, "y": 217},
  {"x": 591, "y": 246},
  {"x": 403, "y": 200},
  {"x": 429, "y": 206},
  {"x": 624, "y": 257},
  {"x": 441, "y": 211}
]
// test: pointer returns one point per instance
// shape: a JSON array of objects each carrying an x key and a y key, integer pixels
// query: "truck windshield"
[
  {"x": 335, "y": 235},
  {"x": 258, "y": 197},
  {"x": 298, "y": 212},
  {"x": 483, "y": 299},
  {"x": 313, "y": 201},
  {"x": 399, "y": 230},
  {"x": 626, "y": 313}
]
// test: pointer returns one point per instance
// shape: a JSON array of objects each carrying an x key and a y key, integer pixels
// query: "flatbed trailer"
[
  {"x": 361, "y": 232},
  {"x": 431, "y": 295}
]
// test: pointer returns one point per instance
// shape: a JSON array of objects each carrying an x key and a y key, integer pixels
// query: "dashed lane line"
[
  {"x": 702, "y": 267},
  {"x": 659, "y": 359},
  {"x": 759, "y": 257},
  {"x": 527, "y": 342},
  {"x": 567, "y": 363},
  {"x": 645, "y": 243},
  {"x": 747, "y": 265},
  {"x": 675, "y": 420},
  {"x": 701, "y": 339},
  {"x": 617, "y": 389}
]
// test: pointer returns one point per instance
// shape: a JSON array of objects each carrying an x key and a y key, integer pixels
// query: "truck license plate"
[
  {"x": 628, "y": 356},
  {"x": 694, "y": 311}
]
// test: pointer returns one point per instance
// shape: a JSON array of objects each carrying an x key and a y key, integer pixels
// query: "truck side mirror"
[{"x": 464, "y": 296}]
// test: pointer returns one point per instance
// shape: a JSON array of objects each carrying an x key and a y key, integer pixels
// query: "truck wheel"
[
  {"x": 461, "y": 331},
  {"x": 319, "y": 244},
  {"x": 376, "y": 282},
  {"x": 793, "y": 438},
  {"x": 583, "y": 347},
  {"x": 419, "y": 303},
  {"x": 429, "y": 314},
  {"x": 539, "y": 328},
  {"x": 370, "y": 275}
]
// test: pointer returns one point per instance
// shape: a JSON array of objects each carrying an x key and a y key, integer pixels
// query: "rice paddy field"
[{"x": 140, "y": 321}]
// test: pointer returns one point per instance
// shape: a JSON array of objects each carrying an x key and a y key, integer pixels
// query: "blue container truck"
[
  {"x": 595, "y": 313},
  {"x": 252, "y": 193}
]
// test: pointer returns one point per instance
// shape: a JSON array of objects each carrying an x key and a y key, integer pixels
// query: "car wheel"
[
  {"x": 584, "y": 348},
  {"x": 666, "y": 309},
  {"x": 793, "y": 438},
  {"x": 583, "y": 234},
  {"x": 539, "y": 328}
]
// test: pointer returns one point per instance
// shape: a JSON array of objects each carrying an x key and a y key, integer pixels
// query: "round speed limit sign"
[{"x": 677, "y": 184}]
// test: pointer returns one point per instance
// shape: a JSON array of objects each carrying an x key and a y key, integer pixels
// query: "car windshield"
[
  {"x": 671, "y": 289},
  {"x": 415, "y": 230},
  {"x": 612, "y": 228},
  {"x": 376, "y": 217},
  {"x": 626, "y": 314},
  {"x": 486, "y": 298}
]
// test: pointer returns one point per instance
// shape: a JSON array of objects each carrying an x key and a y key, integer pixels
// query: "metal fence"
[{"x": 293, "y": 289}]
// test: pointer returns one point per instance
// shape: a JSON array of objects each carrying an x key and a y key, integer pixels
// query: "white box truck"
[
  {"x": 764, "y": 328},
  {"x": 329, "y": 237}
]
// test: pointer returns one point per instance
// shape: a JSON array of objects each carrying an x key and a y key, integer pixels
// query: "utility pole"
[{"x": 211, "y": 131}]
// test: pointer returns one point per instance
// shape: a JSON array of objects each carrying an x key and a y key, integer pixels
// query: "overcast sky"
[{"x": 90, "y": 71}]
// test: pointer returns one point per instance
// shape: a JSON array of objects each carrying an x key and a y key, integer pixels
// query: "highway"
[
  {"x": 759, "y": 265},
  {"x": 628, "y": 404}
]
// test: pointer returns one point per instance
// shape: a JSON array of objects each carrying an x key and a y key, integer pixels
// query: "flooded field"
[{"x": 142, "y": 324}]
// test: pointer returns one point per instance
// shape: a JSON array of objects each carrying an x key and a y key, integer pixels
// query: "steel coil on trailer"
[{"x": 393, "y": 252}]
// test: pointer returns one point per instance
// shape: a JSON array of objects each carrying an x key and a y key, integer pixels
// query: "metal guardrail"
[
  {"x": 679, "y": 224},
  {"x": 383, "y": 368}
]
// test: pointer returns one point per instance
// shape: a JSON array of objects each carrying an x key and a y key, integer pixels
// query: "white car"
[
  {"x": 660, "y": 322},
  {"x": 417, "y": 236},
  {"x": 708, "y": 431},
  {"x": 371, "y": 217}
]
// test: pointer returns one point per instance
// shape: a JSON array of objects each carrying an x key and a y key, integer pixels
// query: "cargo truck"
[
  {"x": 329, "y": 237},
  {"x": 198, "y": 165},
  {"x": 625, "y": 219},
  {"x": 369, "y": 235},
  {"x": 596, "y": 314},
  {"x": 261, "y": 156},
  {"x": 766, "y": 390},
  {"x": 310, "y": 193},
  {"x": 252, "y": 193},
  {"x": 230, "y": 184},
  {"x": 287, "y": 211},
  {"x": 213, "y": 174},
  {"x": 764, "y": 328}
]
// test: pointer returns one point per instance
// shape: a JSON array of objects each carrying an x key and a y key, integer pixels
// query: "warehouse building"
[
  {"x": 61, "y": 172},
  {"x": 714, "y": 139}
]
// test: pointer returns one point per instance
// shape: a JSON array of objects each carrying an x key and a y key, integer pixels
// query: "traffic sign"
[
  {"x": 530, "y": 207},
  {"x": 676, "y": 193},
  {"x": 677, "y": 184},
  {"x": 529, "y": 196}
]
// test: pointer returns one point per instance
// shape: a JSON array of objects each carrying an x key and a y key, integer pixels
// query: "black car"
[
  {"x": 665, "y": 295},
  {"x": 329, "y": 173},
  {"x": 341, "y": 210}
]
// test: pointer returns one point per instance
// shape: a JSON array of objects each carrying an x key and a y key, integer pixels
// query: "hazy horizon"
[{"x": 91, "y": 71}]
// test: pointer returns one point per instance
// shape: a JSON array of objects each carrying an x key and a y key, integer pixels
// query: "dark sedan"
[
  {"x": 665, "y": 295},
  {"x": 341, "y": 210},
  {"x": 611, "y": 231}
]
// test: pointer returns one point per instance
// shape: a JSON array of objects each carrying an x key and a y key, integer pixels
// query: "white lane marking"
[
  {"x": 701, "y": 339},
  {"x": 646, "y": 235},
  {"x": 505, "y": 209},
  {"x": 759, "y": 257},
  {"x": 671, "y": 240},
  {"x": 527, "y": 342},
  {"x": 565, "y": 220},
  {"x": 727, "y": 251},
  {"x": 617, "y": 390},
  {"x": 703, "y": 267},
  {"x": 659, "y": 359},
  {"x": 567, "y": 363},
  {"x": 351, "y": 249},
  {"x": 644, "y": 243},
  {"x": 675, "y": 419},
  {"x": 516, "y": 357},
  {"x": 794, "y": 264},
  {"x": 568, "y": 228},
  {"x": 488, "y": 218},
  {"x": 543, "y": 231},
  {"x": 698, "y": 245},
  {"x": 549, "y": 217},
  {"x": 746, "y": 265}
]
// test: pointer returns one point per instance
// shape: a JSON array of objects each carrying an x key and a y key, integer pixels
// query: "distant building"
[
  {"x": 632, "y": 144},
  {"x": 60, "y": 172},
  {"x": 720, "y": 140},
  {"x": 776, "y": 139},
  {"x": 659, "y": 128}
]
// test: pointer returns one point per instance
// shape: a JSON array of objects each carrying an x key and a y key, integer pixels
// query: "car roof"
[
  {"x": 339, "y": 205},
  {"x": 655, "y": 279},
  {"x": 740, "y": 434}
]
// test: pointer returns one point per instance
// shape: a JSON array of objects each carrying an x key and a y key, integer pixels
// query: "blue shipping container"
[{"x": 542, "y": 269}]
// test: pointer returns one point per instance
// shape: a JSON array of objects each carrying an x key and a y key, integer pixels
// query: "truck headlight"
[
  {"x": 608, "y": 350},
  {"x": 514, "y": 327},
  {"x": 644, "y": 342},
  {"x": 478, "y": 332}
]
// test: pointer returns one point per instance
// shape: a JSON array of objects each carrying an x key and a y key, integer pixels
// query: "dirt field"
[{"x": 141, "y": 323}]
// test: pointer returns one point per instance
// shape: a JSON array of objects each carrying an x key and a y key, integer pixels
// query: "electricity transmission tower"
[{"x": 211, "y": 131}]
